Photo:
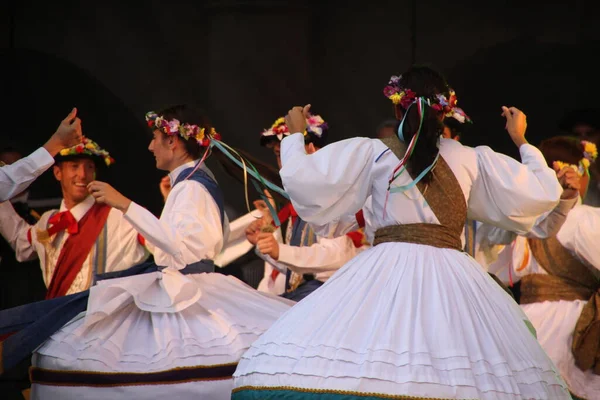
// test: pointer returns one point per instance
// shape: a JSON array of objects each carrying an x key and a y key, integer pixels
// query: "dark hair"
[
  {"x": 456, "y": 128},
  {"x": 318, "y": 141},
  {"x": 425, "y": 82},
  {"x": 190, "y": 115},
  {"x": 562, "y": 148}
]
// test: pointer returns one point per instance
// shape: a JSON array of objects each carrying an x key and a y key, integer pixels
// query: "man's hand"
[
  {"x": 106, "y": 194},
  {"x": 267, "y": 244},
  {"x": 68, "y": 134}
]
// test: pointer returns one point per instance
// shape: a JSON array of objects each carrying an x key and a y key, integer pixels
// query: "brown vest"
[
  {"x": 443, "y": 195},
  {"x": 568, "y": 279}
]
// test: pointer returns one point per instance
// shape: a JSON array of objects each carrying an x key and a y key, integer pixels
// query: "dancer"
[
  {"x": 560, "y": 275},
  {"x": 176, "y": 330},
  {"x": 81, "y": 240},
  {"x": 306, "y": 259},
  {"x": 412, "y": 317}
]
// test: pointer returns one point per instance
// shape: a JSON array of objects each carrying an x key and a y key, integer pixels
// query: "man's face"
[
  {"x": 163, "y": 153},
  {"x": 74, "y": 176}
]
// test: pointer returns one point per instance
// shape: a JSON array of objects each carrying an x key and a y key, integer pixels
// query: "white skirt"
[
  {"x": 555, "y": 323},
  {"x": 155, "y": 335},
  {"x": 402, "y": 319}
]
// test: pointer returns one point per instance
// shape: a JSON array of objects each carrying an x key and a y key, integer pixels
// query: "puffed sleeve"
[
  {"x": 512, "y": 195},
  {"x": 330, "y": 183}
]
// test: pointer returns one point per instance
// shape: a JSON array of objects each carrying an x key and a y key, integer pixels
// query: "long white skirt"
[
  {"x": 555, "y": 323},
  {"x": 158, "y": 335},
  {"x": 402, "y": 319}
]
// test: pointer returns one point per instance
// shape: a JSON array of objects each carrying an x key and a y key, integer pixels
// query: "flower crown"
[
  {"x": 405, "y": 97},
  {"x": 186, "y": 131},
  {"x": 90, "y": 148},
  {"x": 590, "y": 153},
  {"x": 314, "y": 125}
]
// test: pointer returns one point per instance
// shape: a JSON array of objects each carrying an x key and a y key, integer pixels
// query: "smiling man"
[{"x": 82, "y": 239}]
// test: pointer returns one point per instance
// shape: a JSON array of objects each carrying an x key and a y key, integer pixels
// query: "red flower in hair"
[
  {"x": 150, "y": 123},
  {"x": 79, "y": 148},
  {"x": 205, "y": 142},
  {"x": 408, "y": 98}
]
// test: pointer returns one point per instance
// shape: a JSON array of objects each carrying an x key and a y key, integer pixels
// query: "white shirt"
[
  {"x": 123, "y": 249},
  {"x": 16, "y": 177},
  {"x": 189, "y": 228},
  {"x": 490, "y": 240},
  {"x": 322, "y": 258},
  {"x": 337, "y": 180}
]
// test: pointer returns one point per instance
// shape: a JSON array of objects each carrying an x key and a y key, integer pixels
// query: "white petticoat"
[
  {"x": 157, "y": 322},
  {"x": 405, "y": 319}
]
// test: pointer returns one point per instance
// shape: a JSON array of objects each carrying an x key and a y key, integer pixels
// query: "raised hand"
[
  {"x": 68, "y": 134},
  {"x": 296, "y": 118},
  {"x": 516, "y": 124}
]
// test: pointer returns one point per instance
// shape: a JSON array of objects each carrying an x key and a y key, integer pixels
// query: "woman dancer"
[{"x": 414, "y": 317}]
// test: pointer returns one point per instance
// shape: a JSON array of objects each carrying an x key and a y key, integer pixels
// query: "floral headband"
[
  {"x": 590, "y": 153},
  {"x": 314, "y": 125},
  {"x": 186, "y": 131},
  {"x": 405, "y": 97},
  {"x": 90, "y": 148}
]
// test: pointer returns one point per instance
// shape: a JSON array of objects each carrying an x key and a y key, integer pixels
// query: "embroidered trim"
[
  {"x": 114, "y": 379},
  {"x": 340, "y": 392}
]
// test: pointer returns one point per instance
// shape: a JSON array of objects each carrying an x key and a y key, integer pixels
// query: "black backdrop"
[{"x": 247, "y": 62}]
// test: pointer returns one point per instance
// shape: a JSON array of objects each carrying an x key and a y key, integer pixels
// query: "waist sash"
[{"x": 434, "y": 235}]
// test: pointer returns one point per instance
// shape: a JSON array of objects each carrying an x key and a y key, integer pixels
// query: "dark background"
[{"x": 248, "y": 62}]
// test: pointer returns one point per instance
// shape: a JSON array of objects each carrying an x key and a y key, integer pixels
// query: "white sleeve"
[
  {"x": 337, "y": 228},
  {"x": 330, "y": 183},
  {"x": 237, "y": 245},
  {"x": 581, "y": 234},
  {"x": 547, "y": 225},
  {"x": 512, "y": 195},
  {"x": 16, "y": 177},
  {"x": 325, "y": 255},
  {"x": 15, "y": 229},
  {"x": 189, "y": 229}
]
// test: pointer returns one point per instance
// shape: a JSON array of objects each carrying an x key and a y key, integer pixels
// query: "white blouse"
[{"x": 328, "y": 185}]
